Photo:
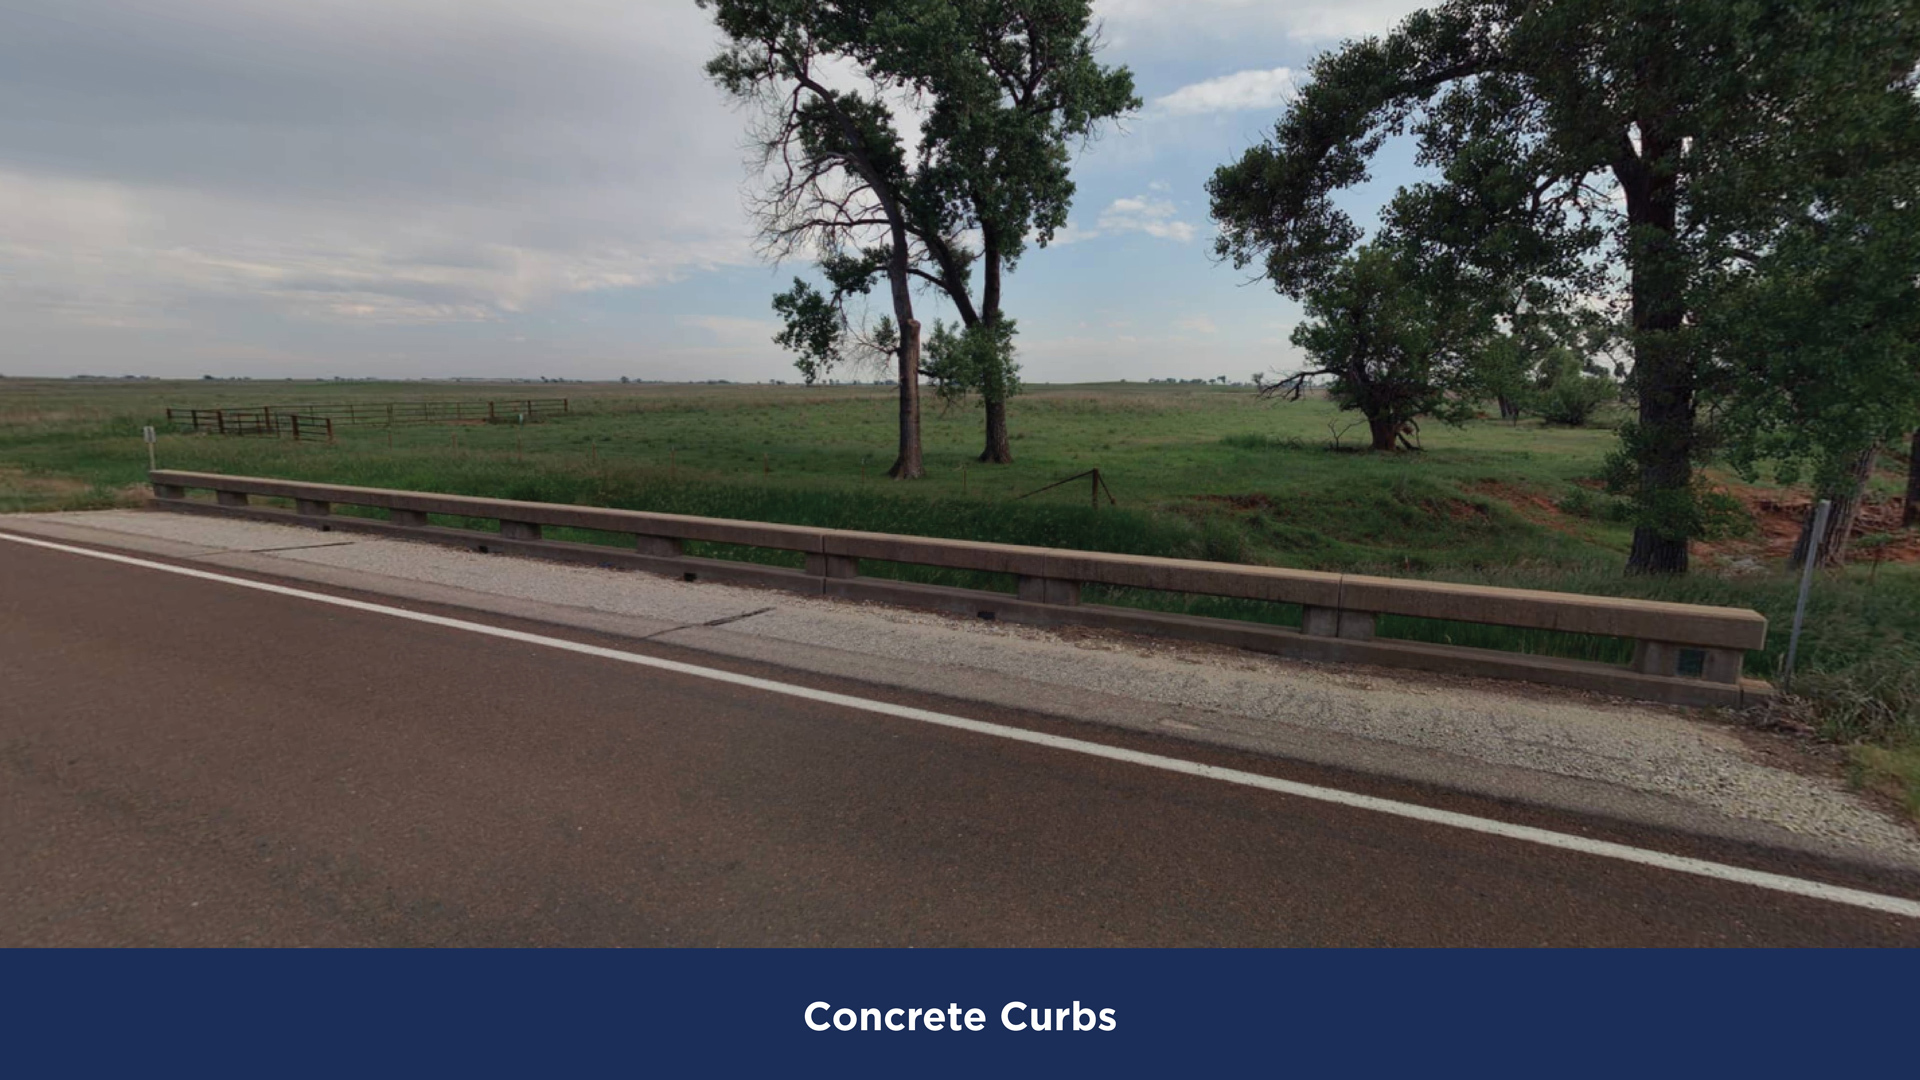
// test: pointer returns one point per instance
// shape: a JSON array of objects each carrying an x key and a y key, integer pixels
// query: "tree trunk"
[
  {"x": 1910, "y": 516},
  {"x": 1384, "y": 430},
  {"x": 1509, "y": 409},
  {"x": 999, "y": 451},
  {"x": 993, "y": 394},
  {"x": 908, "y": 465},
  {"x": 1840, "y": 521},
  {"x": 1663, "y": 375}
]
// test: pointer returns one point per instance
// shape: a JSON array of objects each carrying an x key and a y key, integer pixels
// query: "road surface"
[{"x": 194, "y": 762}]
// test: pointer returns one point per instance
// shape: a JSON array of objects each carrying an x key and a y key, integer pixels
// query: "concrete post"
[
  {"x": 230, "y": 498},
  {"x": 312, "y": 507},
  {"x": 660, "y": 547},
  {"x": 519, "y": 530},
  {"x": 1046, "y": 590},
  {"x": 832, "y": 566},
  {"x": 412, "y": 519},
  {"x": 169, "y": 491},
  {"x": 1333, "y": 622}
]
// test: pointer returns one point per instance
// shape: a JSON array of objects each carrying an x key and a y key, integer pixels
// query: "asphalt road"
[{"x": 186, "y": 762}]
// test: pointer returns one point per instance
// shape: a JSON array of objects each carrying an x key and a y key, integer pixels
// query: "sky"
[{"x": 437, "y": 188}]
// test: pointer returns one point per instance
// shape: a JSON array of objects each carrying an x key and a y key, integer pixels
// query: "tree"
[
  {"x": 1526, "y": 354},
  {"x": 1818, "y": 328},
  {"x": 1001, "y": 90},
  {"x": 1009, "y": 87},
  {"x": 1710, "y": 121},
  {"x": 837, "y": 180},
  {"x": 1504, "y": 372},
  {"x": 1910, "y": 513},
  {"x": 1392, "y": 350}
]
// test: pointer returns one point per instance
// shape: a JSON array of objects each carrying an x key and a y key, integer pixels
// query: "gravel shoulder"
[{"x": 1646, "y": 763}]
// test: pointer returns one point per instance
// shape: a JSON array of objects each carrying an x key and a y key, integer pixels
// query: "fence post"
[
  {"x": 220, "y": 420},
  {"x": 1806, "y": 582},
  {"x": 296, "y": 427}
]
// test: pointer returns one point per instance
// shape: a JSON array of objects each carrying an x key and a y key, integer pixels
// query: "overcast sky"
[{"x": 467, "y": 187}]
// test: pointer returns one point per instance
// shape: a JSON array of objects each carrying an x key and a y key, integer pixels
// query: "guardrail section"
[{"x": 1683, "y": 653}]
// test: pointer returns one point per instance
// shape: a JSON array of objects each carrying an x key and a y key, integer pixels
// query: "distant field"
[{"x": 1198, "y": 472}]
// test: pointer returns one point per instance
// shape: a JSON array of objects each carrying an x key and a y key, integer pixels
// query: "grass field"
[
  {"x": 1198, "y": 472},
  {"x": 1254, "y": 478}
]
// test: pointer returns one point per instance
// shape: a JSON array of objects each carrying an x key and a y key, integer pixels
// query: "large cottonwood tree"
[
  {"x": 1013, "y": 87},
  {"x": 1631, "y": 147},
  {"x": 1000, "y": 91},
  {"x": 836, "y": 177}
]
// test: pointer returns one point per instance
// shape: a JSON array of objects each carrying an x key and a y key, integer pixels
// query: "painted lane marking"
[{"x": 1682, "y": 864}]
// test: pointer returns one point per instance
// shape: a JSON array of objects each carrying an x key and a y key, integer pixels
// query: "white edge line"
[{"x": 1761, "y": 879}]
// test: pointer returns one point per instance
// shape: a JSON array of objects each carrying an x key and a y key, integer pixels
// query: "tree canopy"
[
  {"x": 1001, "y": 91},
  {"x": 1624, "y": 152},
  {"x": 1392, "y": 350}
]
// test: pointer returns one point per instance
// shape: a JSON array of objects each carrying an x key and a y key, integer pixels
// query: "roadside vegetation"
[{"x": 1207, "y": 472}]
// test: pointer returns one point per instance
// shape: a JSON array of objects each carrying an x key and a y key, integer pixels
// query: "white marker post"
[
  {"x": 147, "y": 434},
  {"x": 1806, "y": 582}
]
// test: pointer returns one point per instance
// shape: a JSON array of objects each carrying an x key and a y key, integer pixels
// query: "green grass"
[
  {"x": 1894, "y": 771},
  {"x": 1199, "y": 472},
  {"x": 1253, "y": 479}
]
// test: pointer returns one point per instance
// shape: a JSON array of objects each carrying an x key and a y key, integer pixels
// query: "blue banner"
[{"x": 960, "y": 1013}]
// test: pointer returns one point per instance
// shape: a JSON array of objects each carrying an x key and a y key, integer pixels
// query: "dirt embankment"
[{"x": 1777, "y": 518}]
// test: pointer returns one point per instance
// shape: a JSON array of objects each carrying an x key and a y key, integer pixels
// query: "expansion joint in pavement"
[
  {"x": 269, "y": 550},
  {"x": 721, "y": 621}
]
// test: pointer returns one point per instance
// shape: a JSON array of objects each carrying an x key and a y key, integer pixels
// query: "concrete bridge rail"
[{"x": 1684, "y": 654}]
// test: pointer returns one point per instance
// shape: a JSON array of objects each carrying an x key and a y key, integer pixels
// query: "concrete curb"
[{"x": 1030, "y": 608}]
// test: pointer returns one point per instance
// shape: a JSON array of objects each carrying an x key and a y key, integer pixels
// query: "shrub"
[
  {"x": 1573, "y": 399},
  {"x": 1586, "y": 503}
]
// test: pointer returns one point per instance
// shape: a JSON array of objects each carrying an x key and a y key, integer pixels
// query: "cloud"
[
  {"x": 734, "y": 330},
  {"x": 1072, "y": 234},
  {"x": 217, "y": 163},
  {"x": 1139, "y": 213},
  {"x": 1196, "y": 324},
  {"x": 1227, "y": 93},
  {"x": 1155, "y": 217},
  {"x": 1155, "y": 24}
]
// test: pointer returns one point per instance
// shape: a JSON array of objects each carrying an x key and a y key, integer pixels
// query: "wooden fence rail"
[
  {"x": 271, "y": 419},
  {"x": 263, "y": 421}
]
